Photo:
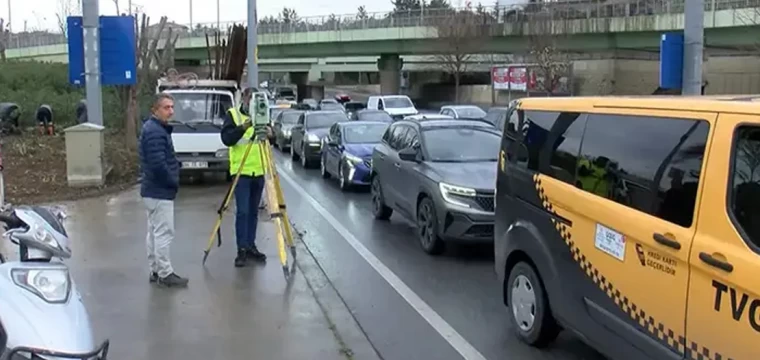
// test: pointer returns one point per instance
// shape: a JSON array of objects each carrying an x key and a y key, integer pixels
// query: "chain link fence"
[{"x": 489, "y": 15}]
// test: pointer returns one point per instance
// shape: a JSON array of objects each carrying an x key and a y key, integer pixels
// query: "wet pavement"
[
  {"x": 225, "y": 313},
  {"x": 375, "y": 264}
]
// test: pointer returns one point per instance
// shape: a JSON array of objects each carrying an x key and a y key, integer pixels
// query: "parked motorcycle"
[{"x": 42, "y": 315}]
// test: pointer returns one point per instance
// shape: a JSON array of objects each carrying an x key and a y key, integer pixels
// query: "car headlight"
[
  {"x": 353, "y": 158},
  {"x": 44, "y": 237},
  {"x": 222, "y": 153},
  {"x": 286, "y": 132},
  {"x": 312, "y": 138},
  {"x": 51, "y": 285},
  {"x": 447, "y": 192}
]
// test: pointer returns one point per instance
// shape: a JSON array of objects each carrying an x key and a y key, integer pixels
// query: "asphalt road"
[{"x": 408, "y": 303}]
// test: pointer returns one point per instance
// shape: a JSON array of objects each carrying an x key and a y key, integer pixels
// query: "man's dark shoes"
[
  {"x": 153, "y": 277},
  {"x": 255, "y": 255},
  {"x": 172, "y": 280},
  {"x": 242, "y": 257}
]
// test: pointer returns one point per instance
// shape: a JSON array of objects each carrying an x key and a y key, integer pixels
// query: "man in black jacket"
[{"x": 158, "y": 188}]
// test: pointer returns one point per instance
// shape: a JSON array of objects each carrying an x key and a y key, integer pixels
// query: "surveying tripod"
[{"x": 274, "y": 199}]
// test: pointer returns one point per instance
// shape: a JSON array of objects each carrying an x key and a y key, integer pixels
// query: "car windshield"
[
  {"x": 397, "y": 102},
  {"x": 471, "y": 113},
  {"x": 290, "y": 117},
  {"x": 332, "y": 106},
  {"x": 354, "y": 106},
  {"x": 375, "y": 116},
  {"x": 200, "y": 107},
  {"x": 317, "y": 120},
  {"x": 364, "y": 133},
  {"x": 461, "y": 144},
  {"x": 310, "y": 102},
  {"x": 494, "y": 115}
]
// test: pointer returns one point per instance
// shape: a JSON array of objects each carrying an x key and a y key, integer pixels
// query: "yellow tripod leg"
[
  {"x": 273, "y": 203},
  {"x": 225, "y": 204},
  {"x": 281, "y": 199}
]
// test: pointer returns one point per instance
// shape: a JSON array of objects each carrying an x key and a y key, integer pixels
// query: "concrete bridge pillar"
[
  {"x": 306, "y": 86},
  {"x": 389, "y": 66}
]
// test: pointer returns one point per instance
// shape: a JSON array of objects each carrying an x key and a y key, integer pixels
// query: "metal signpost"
[
  {"x": 694, "y": 15},
  {"x": 90, "y": 24},
  {"x": 253, "y": 43}
]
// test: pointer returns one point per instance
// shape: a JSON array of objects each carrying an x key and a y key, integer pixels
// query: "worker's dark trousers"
[{"x": 247, "y": 197}]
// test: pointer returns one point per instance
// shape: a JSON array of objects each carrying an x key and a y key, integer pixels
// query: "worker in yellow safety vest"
[{"x": 237, "y": 132}]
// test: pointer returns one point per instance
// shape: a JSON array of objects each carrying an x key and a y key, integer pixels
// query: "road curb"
[{"x": 348, "y": 332}]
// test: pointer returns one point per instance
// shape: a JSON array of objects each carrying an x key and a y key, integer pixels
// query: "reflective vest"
[{"x": 253, "y": 163}]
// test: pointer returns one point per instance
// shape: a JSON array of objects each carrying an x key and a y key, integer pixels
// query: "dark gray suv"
[{"x": 441, "y": 174}]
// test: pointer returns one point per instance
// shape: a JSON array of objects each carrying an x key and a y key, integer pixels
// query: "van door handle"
[
  {"x": 380, "y": 156},
  {"x": 662, "y": 240},
  {"x": 397, "y": 165},
  {"x": 712, "y": 261}
]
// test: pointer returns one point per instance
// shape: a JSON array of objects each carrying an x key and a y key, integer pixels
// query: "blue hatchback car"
[{"x": 347, "y": 151}]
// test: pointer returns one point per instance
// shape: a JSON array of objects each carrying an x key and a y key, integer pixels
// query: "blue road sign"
[
  {"x": 671, "y": 60},
  {"x": 117, "y": 50}
]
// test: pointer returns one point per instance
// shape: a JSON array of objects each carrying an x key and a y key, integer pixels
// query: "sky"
[{"x": 41, "y": 14}]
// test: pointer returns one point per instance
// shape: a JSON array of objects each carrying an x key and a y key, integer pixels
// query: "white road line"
[{"x": 440, "y": 325}]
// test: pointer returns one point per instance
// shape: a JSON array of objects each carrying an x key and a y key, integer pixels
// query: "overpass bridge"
[{"x": 305, "y": 44}]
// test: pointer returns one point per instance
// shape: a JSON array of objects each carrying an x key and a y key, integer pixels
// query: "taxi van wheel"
[
  {"x": 529, "y": 311},
  {"x": 293, "y": 155},
  {"x": 427, "y": 228},
  {"x": 379, "y": 209}
]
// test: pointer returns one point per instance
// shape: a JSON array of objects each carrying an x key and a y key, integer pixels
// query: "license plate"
[{"x": 194, "y": 164}]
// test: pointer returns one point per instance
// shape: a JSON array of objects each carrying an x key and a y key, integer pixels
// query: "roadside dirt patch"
[{"x": 35, "y": 168}]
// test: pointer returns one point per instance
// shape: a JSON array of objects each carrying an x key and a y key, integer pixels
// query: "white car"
[
  {"x": 463, "y": 111},
  {"x": 423, "y": 117}
]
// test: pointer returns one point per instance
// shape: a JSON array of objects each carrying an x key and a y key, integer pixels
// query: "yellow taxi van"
[{"x": 634, "y": 223}]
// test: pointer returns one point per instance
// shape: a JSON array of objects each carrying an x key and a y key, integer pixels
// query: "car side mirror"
[{"x": 409, "y": 154}]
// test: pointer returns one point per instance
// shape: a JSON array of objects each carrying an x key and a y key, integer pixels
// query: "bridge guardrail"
[{"x": 490, "y": 15}]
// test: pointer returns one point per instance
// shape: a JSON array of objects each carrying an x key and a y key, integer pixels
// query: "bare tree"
[
  {"x": 462, "y": 35},
  {"x": 116, "y": 3},
  {"x": 65, "y": 8},
  {"x": 551, "y": 63},
  {"x": 150, "y": 63},
  {"x": 5, "y": 38}
]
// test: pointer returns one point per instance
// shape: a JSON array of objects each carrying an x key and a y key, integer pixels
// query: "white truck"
[
  {"x": 199, "y": 109},
  {"x": 397, "y": 106}
]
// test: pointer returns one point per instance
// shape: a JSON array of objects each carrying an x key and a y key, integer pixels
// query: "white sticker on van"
[{"x": 610, "y": 241}]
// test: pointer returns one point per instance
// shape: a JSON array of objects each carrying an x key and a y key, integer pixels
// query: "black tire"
[
  {"x": 544, "y": 328},
  {"x": 427, "y": 228},
  {"x": 304, "y": 160},
  {"x": 379, "y": 209},
  {"x": 293, "y": 155},
  {"x": 345, "y": 185},
  {"x": 323, "y": 168}
]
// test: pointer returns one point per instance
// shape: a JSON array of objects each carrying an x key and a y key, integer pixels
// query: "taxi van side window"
[
  {"x": 553, "y": 141},
  {"x": 647, "y": 163},
  {"x": 745, "y": 184}
]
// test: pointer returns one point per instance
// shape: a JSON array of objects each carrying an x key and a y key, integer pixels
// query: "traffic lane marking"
[{"x": 462, "y": 346}]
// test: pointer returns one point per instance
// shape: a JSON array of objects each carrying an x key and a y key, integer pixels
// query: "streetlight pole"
[
  {"x": 218, "y": 23},
  {"x": 10, "y": 18},
  {"x": 90, "y": 25},
  {"x": 693, "y": 47},
  {"x": 253, "y": 43},
  {"x": 191, "y": 15}
]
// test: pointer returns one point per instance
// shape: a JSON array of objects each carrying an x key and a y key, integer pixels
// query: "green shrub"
[{"x": 31, "y": 84}]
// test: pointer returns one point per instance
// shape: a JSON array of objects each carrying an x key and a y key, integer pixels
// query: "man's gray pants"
[{"x": 160, "y": 235}]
